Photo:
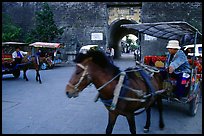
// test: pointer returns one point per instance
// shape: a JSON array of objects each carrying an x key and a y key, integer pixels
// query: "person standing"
[{"x": 112, "y": 52}]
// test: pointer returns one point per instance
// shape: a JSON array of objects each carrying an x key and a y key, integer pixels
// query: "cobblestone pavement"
[{"x": 33, "y": 108}]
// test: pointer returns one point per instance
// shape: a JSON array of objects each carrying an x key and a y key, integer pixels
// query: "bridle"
[{"x": 84, "y": 74}]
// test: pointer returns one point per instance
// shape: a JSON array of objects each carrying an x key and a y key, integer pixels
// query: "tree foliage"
[
  {"x": 10, "y": 32},
  {"x": 45, "y": 28}
]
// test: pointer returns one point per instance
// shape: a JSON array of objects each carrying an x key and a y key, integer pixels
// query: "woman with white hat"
[{"x": 177, "y": 66}]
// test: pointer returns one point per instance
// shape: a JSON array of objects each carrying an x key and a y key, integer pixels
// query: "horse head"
[
  {"x": 79, "y": 80},
  {"x": 87, "y": 63}
]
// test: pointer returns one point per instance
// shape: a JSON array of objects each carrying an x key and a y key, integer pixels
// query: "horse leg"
[
  {"x": 38, "y": 76},
  {"x": 148, "y": 121},
  {"x": 160, "y": 109},
  {"x": 111, "y": 122},
  {"x": 131, "y": 122},
  {"x": 24, "y": 74}
]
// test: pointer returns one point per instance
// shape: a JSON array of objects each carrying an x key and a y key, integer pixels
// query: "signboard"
[{"x": 96, "y": 36}]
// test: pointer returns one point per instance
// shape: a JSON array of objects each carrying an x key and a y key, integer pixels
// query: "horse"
[
  {"x": 29, "y": 61},
  {"x": 123, "y": 93}
]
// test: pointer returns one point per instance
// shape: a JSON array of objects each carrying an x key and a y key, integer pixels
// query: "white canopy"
[{"x": 45, "y": 45}]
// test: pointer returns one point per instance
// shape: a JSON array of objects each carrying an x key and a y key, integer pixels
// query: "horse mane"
[{"x": 99, "y": 58}]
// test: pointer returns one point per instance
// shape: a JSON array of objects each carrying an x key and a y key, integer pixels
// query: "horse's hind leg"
[
  {"x": 38, "y": 77},
  {"x": 148, "y": 121},
  {"x": 111, "y": 122},
  {"x": 24, "y": 75},
  {"x": 160, "y": 109},
  {"x": 131, "y": 122}
]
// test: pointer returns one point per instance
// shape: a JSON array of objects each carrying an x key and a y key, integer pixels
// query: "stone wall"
[
  {"x": 190, "y": 12},
  {"x": 81, "y": 19}
]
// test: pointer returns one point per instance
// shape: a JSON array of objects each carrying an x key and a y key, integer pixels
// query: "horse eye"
[{"x": 78, "y": 72}]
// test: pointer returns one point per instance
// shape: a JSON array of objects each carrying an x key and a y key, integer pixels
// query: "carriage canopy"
[
  {"x": 46, "y": 45},
  {"x": 13, "y": 43},
  {"x": 165, "y": 30}
]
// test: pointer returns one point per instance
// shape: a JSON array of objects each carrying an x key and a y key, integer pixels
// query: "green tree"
[
  {"x": 10, "y": 32},
  {"x": 45, "y": 29}
]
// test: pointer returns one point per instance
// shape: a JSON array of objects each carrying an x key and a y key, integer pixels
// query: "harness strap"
[
  {"x": 148, "y": 68},
  {"x": 81, "y": 66},
  {"x": 147, "y": 80},
  {"x": 81, "y": 78},
  {"x": 108, "y": 82},
  {"x": 117, "y": 91},
  {"x": 37, "y": 60},
  {"x": 132, "y": 99},
  {"x": 138, "y": 92}
]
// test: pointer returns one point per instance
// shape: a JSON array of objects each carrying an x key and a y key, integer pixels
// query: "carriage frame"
[{"x": 175, "y": 31}]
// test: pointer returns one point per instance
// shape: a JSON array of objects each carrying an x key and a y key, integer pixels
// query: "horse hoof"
[
  {"x": 146, "y": 130},
  {"x": 161, "y": 126}
]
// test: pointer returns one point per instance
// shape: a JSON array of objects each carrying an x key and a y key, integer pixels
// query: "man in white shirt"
[
  {"x": 17, "y": 55},
  {"x": 112, "y": 53}
]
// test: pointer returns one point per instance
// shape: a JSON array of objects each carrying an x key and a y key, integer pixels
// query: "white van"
[{"x": 198, "y": 49}]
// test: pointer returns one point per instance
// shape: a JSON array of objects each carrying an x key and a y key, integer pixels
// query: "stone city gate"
[{"x": 119, "y": 15}]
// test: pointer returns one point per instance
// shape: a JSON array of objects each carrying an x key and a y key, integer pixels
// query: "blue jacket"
[{"x": 179, "y": 62}]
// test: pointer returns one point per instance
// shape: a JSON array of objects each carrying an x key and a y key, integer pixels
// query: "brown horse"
[
  {"x": 122, "y": 92},
  {"x": 29, "y": 62}
]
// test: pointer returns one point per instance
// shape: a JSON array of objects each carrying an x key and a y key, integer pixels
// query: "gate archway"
[{"x": 116, "y": 33}]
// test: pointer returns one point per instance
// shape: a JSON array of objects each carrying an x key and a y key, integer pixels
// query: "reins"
[
  {"x": 85, "y": 68},
  {"x": 138, "y": 92},
  {"x": 143, "y": 96}
]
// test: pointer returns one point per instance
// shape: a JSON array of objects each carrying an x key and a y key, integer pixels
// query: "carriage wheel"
[
  {"x": 16, "y": 73},
  {"x": 193, "y": 104},
  {"x": 43, "y": 66}
]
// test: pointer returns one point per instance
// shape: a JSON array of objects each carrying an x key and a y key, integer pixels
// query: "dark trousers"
[
  {"x": 17, "y": 61},
  {"x": 181, "y": 88}
]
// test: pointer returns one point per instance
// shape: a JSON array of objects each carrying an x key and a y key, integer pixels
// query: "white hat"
[{"x": 174, "y": 44}]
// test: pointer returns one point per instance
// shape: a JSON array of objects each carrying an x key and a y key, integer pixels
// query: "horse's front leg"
[
  {"x": 24, "y": 74},
  {"x": 111, "y": 122},
  {"x": 160, "y": 109},
  {"x": 148, "y": 120},
  {"x": 131, "y": 121}
]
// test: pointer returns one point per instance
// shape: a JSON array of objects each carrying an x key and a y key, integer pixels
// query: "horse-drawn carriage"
[
  {"x": 8, "y": 65},
  {"x": 50, "y": 53},
  {"x": 176, "y": 31},
  {"x": 127, "y": 92},
  {"x": 15, "y": 66}
]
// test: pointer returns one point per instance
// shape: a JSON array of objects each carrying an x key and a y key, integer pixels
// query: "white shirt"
[
  {"x": 14, "y": 54},
  {"x": 112, "y": 52}
]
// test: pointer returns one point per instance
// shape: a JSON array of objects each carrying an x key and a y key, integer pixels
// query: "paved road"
[{"x": 33, "y": 108}]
